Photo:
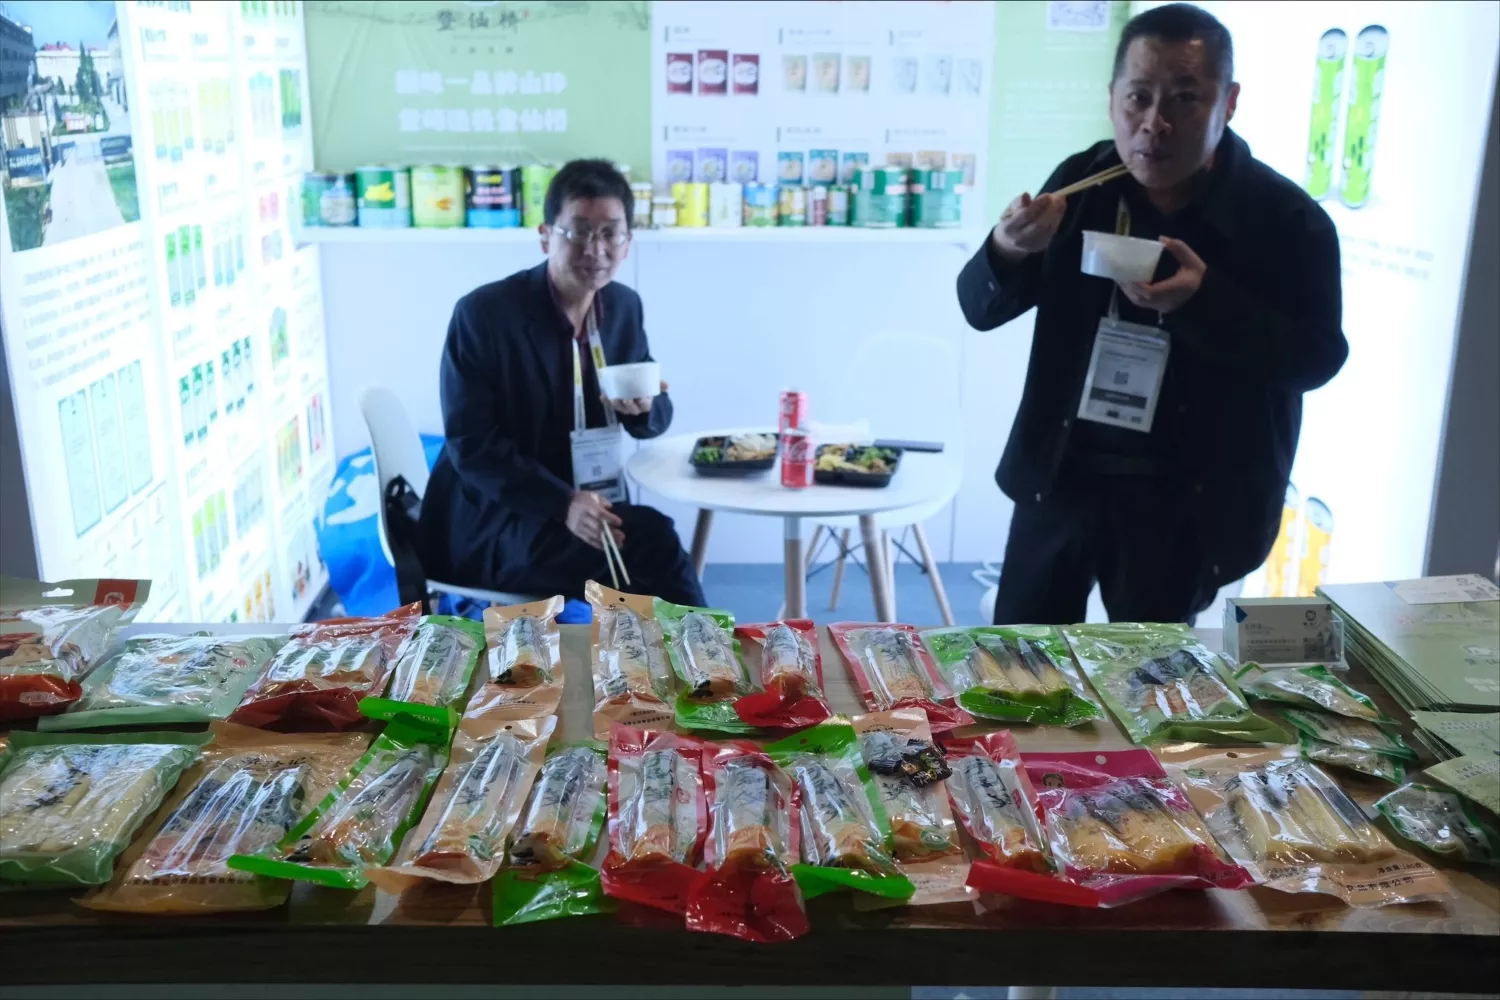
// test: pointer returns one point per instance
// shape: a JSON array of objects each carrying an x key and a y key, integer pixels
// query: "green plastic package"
[
  {"x": 1163, "y": 684},
  {"x": 845, "y": 833},
  {"x": 1371, "y": 762},
  {"x": 1309, "y": 687},
  {"x": 432, "y": 672},
  {"x": 1442, "y": 821},
  {"x": 1346, "y": 732},
  {"x": 706, "y": 656},
  {"x": 70, "y": 803},
  {"x": 547, "y": 873},
  {"x": 361, "y": 822},
  {"x": 163, "y": 679},
  {"x": 1015, "y": 673}
]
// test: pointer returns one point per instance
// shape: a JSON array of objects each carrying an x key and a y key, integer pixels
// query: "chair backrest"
[
  {"x": 922, "y": 382},
  {"x": 396, "y": 446}
]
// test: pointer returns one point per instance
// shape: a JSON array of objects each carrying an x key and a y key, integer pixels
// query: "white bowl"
[
  {"x": 637, "y": 381},
  {"x": 1122, "y": 258}
]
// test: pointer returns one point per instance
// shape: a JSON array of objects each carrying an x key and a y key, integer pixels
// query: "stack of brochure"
[{"x": 1458, "y": 734}]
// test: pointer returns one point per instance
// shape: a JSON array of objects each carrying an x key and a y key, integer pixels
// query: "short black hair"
[
  {"x": 1180, "y": 22},
  {"x": 586, "y": 179}
]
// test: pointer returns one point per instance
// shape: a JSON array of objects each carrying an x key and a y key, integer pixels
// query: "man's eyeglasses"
[{"x": 608, "y": 236}]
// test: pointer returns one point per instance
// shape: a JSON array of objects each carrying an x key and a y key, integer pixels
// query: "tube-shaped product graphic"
[
  {"x": 1364, "y": 113},
  {"x": 1328, "y": 94}
]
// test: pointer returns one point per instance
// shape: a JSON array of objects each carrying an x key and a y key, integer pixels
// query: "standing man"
[
  {"x": 1158, "y": 423},
  {"x": 527, "y": 427}
]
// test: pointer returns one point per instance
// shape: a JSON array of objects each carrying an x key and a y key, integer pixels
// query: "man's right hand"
[
  {"x": 1027, "y": 226},
  {"x": 588, "y": 515}
]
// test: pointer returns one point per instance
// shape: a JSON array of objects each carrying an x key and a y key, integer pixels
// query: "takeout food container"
[
  {"x": 1122, "y": 258},
  {"x": 726, "y": 468},
  {"x": 636, "y": 381},
  {"x": 855, "y": 454}
]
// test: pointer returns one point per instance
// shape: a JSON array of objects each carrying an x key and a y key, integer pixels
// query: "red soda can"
[
  {"x": 796, "y": 458},
  {"x": 793, "y": 410}
]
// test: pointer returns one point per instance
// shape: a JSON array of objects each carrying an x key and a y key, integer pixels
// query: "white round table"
[{"x": 663, "y": 466}]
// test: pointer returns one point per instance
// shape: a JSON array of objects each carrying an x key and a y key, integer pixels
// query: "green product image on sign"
[
  {"x": 1364, "y": 114},
  {"x": 407, "y": 82},
  {"x": 1328, "y": 89}
]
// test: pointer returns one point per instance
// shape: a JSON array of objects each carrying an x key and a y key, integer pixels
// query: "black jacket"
[
  {"x": 1263, "y": 328},
  {"x": 506, "y": 472}
]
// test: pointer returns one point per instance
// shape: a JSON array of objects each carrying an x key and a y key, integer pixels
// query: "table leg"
[
  {"x": 796, "y": 578},
  {"x": 875, "y": 560},
  {"x": 838, "y": 569},
  {"x": 700, "y": 540}
]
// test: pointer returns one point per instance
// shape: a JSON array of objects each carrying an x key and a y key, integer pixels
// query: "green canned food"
[
  {"x": 437, "y": 196},
  {"x": 878, "y": 211},
  {"x": 535, "y": 178},
  {"x": 313, "y": 186},
  {"x": 935, "y": 202},
  {"x": 384, "y": 196}
]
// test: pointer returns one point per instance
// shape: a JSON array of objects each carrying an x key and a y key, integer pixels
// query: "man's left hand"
[
  {"x": 1170, "y": 293},
  {"x": 631, "y": 407}
]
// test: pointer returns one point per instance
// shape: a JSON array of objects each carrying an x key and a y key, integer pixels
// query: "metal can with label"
[
  {"x": 535, "y": 179},
  {"x": 336, "y": 204},
  {"x": 760, "y": 204},
  {"x": 935, "y": 202},
  {"x": 881, "y": 180},
  {"x": 877, "y": 211},
  {"x": 792, "y": 410},
  {"x": 384, "y": 194},
  {"x": 692, "y": 204},
  {"x": 726, "y": 205},
  {"x": 793, "y": 206},
  {"x": 664, "y": 211},
  {"x": 640, "y": 214},
  {"x": 437, "y": 196},
  {"x": 796, "y": 458},
  {"x": 493, "y": 194},
  {"x": 313, "y": 186},
  {"x": 817, "y": 206},
  {"x": 838, "y": 205}
]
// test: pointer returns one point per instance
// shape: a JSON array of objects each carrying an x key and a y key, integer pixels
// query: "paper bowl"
[
  {"x": 637, "y": 381},
  {"x": 1122, "y": 258}
]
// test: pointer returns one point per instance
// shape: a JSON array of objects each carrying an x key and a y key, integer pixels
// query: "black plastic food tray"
[
  {"x": 841, "y": 477},
  {"x": 729, "y": 469}
]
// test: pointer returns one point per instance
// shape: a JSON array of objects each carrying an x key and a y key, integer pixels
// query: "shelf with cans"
[{"x": 441, "y": 202}]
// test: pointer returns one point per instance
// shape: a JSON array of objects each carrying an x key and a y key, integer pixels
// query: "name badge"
[
  {"x": 1125, "y": 375},
  {"x": 596, "y": 462}
]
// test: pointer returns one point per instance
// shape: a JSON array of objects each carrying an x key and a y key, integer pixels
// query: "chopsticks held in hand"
[
  {"x": 613, "y": 558},
  {"x": 1118, "y": 170}
]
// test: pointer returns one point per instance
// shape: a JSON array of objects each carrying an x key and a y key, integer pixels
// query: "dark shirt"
[{"x": 1263, "y": 328}]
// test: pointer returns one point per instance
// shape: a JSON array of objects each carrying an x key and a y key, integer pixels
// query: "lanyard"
[
  {"x": 1122, "y": 228},
  {"x": 596, "y": 351}
]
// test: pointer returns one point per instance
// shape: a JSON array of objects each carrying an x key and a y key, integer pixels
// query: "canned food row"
[{"x": 437, "y": 196}]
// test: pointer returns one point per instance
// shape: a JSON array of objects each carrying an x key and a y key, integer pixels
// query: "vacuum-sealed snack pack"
[
  {"x": 1294, "y": 829},
  {"x": 462, "y": 835},
  {"x": 1387, "y": 767},
  {"x": 632, "y": 674},
  {"x": 53, "y": 634},
  {"x": 160, "y": 679},
  {"x": 552, "y": 869},
  {"x": 1309, "y": 687},
  {"x": 71, "y": 802},
  {"x": 361, "y": 822},
  {"x": 525, "y": 679},
  {"x": 994, "y": 800},
  {"x": 706, "y": 657},
  {"x": 844, "y": 834},
  {"x": 1442, "y": 821},
  {"x": 657, "y": 817},
  {"x": 317, "y": 679},
  {"x": 1357, "y": 734},
  {"x": 893, "y": 670},
  {"x": 748, "y": 891},
  {"x": 1163, "y": 684},
  {"x": 1016, "y": 673},
  {"x": 431, "y": 677},
  {"x": 246, "y": 791},
  {"x": 784, "y": 657},
  {"x": 1117, "y": 830}
]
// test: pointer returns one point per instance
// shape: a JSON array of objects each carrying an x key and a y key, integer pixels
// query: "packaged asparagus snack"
[
  {"x": 71, "y": 802},
  {"x": 316, "y": 681},
  {"x": 632, "y": 674},
  {"x": 1163, "y": 684},
  {"x": 462, "y": 834},
  {"x": 432, "y": 672},
  {"x": 162, "y": 679},
  {"x": 1295, "y": 830},
  {"x": 1016, "y": 673},
  {"x": 1377, "y": 765},
  {"x": 245, "y": 791},
  {"x": 784, "y": 658},
  {"x": 844, "y": 834},
  {"x": 1357, "y": 734},
  {"x": 525, "y": 679},
  {"x": 657, "y": 817},
  {"x": 892, "y": 669},
  {"x": 552, "y": 869},
  {"x": 360, "y": 823},
  {"x": 53, "y": 634},
  {"x": 706, "y": 657},
  {"x": 993, "y": 799},
  {"x": 1442, "y": 821},
  {"x": 748, "y": 891},
  {"x": 1310, "y": 687}
]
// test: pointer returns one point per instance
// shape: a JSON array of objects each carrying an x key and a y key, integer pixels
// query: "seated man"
[{"x": 506, "y": 508}]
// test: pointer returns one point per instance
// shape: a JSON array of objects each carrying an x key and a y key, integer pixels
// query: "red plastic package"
[
  {"x": 995, "y": 801},
  {"x": 658, "y": 817},
  {"x": 317, "y": 679},
  {"x": 893, "y": 670},
  {"x": 1118, "y": 831},
  {"x": 748, "y": 892},
  {"x": 790, "y": 668}
]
